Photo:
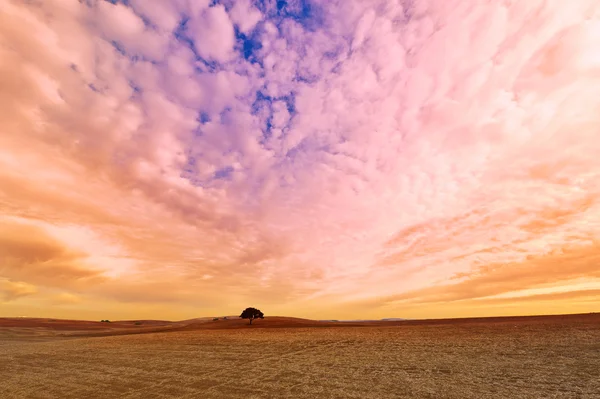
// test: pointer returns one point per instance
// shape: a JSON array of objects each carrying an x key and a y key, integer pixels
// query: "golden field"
[{"x": 533, "y": 357}]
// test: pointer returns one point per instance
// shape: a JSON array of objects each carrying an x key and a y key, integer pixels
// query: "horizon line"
[{"x": 328, "y": 319}]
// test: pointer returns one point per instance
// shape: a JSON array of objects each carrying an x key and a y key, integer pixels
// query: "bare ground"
[{"x": 537, "y": 357}]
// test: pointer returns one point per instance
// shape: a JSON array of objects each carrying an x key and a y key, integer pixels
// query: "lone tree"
[{"x": 252, "y": 313}]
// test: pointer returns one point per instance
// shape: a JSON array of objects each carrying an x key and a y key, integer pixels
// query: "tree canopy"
[{"x": 251, "y": 314}]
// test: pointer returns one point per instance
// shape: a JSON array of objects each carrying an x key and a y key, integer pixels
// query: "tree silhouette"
[{"x": 252, "y": 313}]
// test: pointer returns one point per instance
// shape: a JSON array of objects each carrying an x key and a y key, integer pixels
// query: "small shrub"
[
  {"x": 138, "y": 323},
  {"x": 215, "y": 319}
]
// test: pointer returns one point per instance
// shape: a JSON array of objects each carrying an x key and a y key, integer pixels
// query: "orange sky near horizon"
[{"x": 320, "y": 159}]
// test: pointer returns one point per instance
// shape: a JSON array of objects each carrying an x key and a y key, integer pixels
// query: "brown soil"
[{"x": 279, "y": 357}]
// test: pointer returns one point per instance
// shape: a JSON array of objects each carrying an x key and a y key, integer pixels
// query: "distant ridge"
[
  {"x": 45, "y": 328},
  {"x": 366, "y": 320}
]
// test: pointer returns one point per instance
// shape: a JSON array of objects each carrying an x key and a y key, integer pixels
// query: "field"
[{"x": 538, "y": 357}]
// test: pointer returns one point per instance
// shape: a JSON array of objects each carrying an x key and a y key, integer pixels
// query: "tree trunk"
[{"x": 251, "y": 321}]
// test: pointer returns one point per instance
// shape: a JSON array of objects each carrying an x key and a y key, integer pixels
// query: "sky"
[{"x": 172, "y": 159}]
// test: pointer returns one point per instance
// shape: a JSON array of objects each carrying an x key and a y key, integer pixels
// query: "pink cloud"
[
  {"x": 213, "y": 34},
  {"x": 359, "y": 151},
  {"x": 164, "y": 14},
  {"x": 245, "y": 15}
]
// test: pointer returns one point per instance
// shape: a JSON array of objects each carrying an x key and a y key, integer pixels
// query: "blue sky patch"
[{"x": 224, "y": 173}]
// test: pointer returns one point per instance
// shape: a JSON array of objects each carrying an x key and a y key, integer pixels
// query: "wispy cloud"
[
  {"x": 11, "y": 290},
  {"x": 297, "y": 151}
]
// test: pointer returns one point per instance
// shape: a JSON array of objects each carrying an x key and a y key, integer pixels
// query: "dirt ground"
[{"x": 548, "y": 357}]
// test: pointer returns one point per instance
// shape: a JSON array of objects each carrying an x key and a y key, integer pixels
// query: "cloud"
[
  {"x": 298, "y": 151},
  {"x": 12, "y": 290},
  {"x": 497, "y": 281},
  {"x": 65, "y": 298},
  {"x": 164, "y": 14},
  {"x": 212, "y": 34},
  {"x": 127, "y": 31},
  {"x": 29, "y": 254},
  {"x": 245, "y": 15}
]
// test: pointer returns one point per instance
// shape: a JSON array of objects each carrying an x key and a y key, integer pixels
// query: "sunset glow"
[{"x": 172, "y": 159}]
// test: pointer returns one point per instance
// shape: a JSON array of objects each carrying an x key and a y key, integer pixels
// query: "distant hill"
[
  {"x": 15, "y": 328},
  {"x": 367, "y": 320}
]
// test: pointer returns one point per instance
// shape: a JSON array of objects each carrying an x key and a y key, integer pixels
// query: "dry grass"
[{"x": 542, "y": 358}]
